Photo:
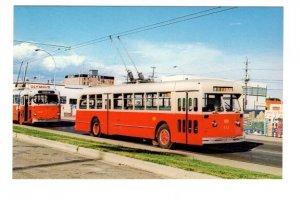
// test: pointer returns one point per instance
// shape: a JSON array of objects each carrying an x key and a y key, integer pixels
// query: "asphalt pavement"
[{"x": 33, "y": 161}]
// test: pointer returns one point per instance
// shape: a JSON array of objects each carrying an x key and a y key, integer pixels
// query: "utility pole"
[
  {"x": 247, "y": 79},
  {"x": 153, "y": 68}
]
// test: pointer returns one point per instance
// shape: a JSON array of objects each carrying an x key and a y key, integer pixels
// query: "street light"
[
  {"x": 183, "y": 73},
  {"x": 53, "y": 61},
  {"x": 176, "y": 67}
]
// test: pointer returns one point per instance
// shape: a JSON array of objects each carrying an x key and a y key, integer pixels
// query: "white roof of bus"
[
  {"x": 184, "y": 85},
  {"x": 32, "y": 91}
]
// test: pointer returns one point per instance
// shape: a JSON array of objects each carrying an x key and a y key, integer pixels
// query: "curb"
[
  {"x": 44, "y": 142},
  {"x": 167, "y": 171}
]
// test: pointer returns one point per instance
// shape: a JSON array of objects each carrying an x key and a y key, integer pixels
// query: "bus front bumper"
[
  {"x": 221, "y": 140},
  {"x": 45, "y": 120}
]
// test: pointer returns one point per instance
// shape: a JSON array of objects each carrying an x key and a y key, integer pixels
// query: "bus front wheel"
[
  {"x": 164, "y": 136},
  {"x": 96, "y": 128}
]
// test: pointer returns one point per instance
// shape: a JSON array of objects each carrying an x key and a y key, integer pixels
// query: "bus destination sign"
[{"x": 223, "y": 89}]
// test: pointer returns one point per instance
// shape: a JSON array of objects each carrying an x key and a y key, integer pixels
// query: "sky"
[{"x": 215, "y": 45}]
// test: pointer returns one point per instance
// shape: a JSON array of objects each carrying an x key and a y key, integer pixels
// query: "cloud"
[
  {"x": 24, "y": 51},
  {"x": 63, "y": 61},
  {"x": 191, "y": 58},
  {"x": 176, "y": 53},
  {"x": 43, "y": 66}
]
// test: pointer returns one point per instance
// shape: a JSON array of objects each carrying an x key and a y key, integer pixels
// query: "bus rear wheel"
[
  {"x": 163, "y": 137},
  {"x": 96, "y": 128}
]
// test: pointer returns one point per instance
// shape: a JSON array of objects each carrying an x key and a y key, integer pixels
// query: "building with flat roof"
[
  {"x": 88, "y": 80},
  {"x": 256, "y": 94}
]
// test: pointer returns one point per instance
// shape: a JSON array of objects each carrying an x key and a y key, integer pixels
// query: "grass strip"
[{"x": 162, "y": 158}]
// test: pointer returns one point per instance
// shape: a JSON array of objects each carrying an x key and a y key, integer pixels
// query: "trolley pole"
[
  {"x": 19, "y": 75},
  {"x": 25, "y": 73}
]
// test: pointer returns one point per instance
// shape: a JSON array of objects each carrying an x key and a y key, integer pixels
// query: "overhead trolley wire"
[
  {"x": 269, "y": 80},
  {"x": 137, "y": 30},
  {"x": 269, "y": 69},
  {"x": 141, "y": 27},
  {"x": 153, "y": 26},
  {"x": 43, "y": 44},
  {"x": 183, "y": 20}
]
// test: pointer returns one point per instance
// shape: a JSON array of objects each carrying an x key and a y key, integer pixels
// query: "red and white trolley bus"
[
  {"x": 36, "y": 105},
  {"x": 194, "y": 112}
]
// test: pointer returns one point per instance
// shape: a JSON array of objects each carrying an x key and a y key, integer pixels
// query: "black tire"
[
  {"x": 163, "y": 136},
  {"x": 96, "y": 128}
]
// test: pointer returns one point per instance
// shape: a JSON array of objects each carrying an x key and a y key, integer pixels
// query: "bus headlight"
[
  {"x": 214, "y": 124},
  {"x": 238, "y": 123}
]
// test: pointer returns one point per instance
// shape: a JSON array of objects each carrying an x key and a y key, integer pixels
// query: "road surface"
[{"x": 31, "y": 161}]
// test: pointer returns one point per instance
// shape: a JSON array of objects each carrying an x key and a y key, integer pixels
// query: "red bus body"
[
  {"x": 183, "y": 113},
  {"x": 36, "y": 105}
]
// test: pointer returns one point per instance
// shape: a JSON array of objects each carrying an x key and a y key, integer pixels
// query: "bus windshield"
[
  {"x": 45, "y": 99},
  {"x": 221, "y": 103}
]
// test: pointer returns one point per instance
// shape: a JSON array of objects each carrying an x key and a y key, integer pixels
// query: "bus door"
[
  {"x": 107, "y": 106},
  {"x": 24, "y": 109},
  {"x": 16, "y": 107},
  {"x": 188, "y": 122},
  {"x": 73, "y": 103}
]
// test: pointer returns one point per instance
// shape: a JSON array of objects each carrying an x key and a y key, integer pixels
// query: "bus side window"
[
  {"x": 82, "y": 102},
  {"x": 92, "y": 101},
  {"x": 151, "y": 101},
  {"x": 179, "y": 104},
  {"x": 139, "y": 101},
  {"x": 195, "y": 104},
  {"x": 183, "y": 104},
  {"x": 190, "y": 104},
  {"x": 118, "y": 101},
  {"x": 99, "y": 101},
  {"x": 164, "y": 101},
  {"x": 128, "y": 104}
]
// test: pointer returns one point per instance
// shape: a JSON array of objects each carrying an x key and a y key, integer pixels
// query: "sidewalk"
[
  {"x": 163, "y": 170},
  {"x": 263, "y": 138}
]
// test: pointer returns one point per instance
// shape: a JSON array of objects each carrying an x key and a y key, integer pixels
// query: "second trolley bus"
[{"x": 35, "y": 105}]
